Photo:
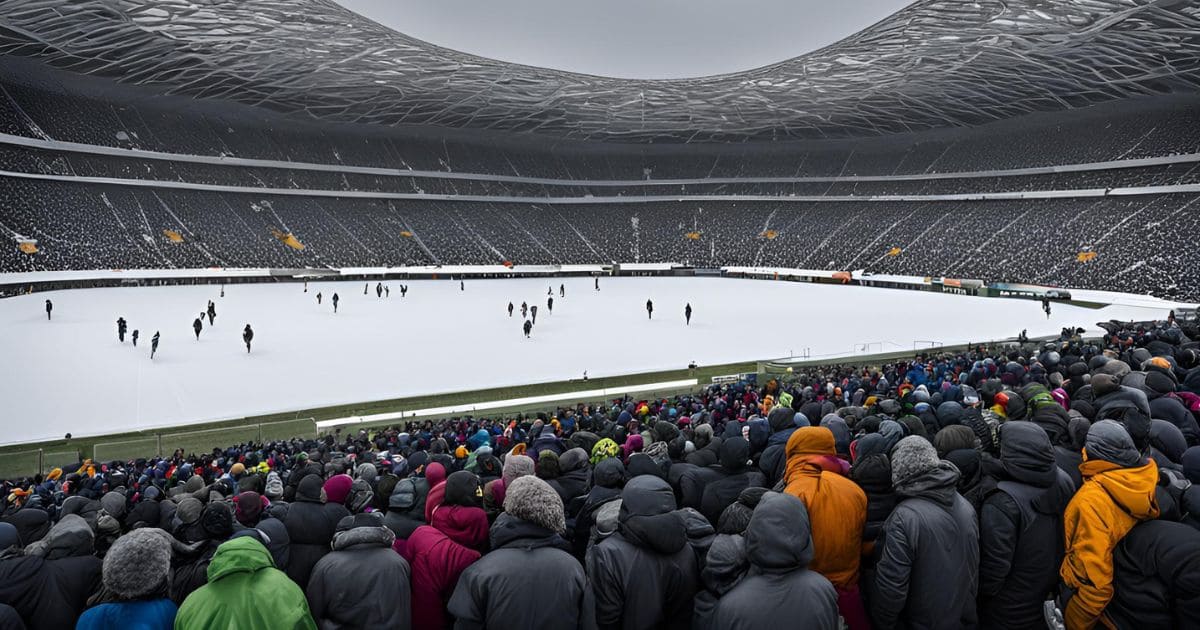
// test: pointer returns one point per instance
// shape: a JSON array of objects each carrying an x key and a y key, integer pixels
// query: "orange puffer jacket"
[
  {"x": 1112, "y": 500},
  {"x": 837, "y": 507}
]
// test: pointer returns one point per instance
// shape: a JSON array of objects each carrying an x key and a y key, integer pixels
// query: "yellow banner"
[
  {"x": 895, "y": 251},
  {"x": 29, "y": 247},
  {"x": 287, "y": 239},
  {"x": 1085, "y": 257},
  {"x": 173, "y": 236}
]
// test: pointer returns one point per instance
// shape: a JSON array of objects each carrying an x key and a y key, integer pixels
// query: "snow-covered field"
[{"x": 71, "y": 374}]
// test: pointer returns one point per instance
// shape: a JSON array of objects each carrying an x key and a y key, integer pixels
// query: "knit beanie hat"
[
  {"x": 217, "y": 520},
  {"x": 368, "y": 472},
  {"x": 138, "y": 564},
  {"x": 604, "y": 449},
  {"x": 462, "y": 488},
  {"x": 250, "y": 506},
  {"x": 337, "y": 488},
  {"x": 547, "y": 467},
  {"x": 517, "y": 466},
  {"x": 237, "y": 469},
  {"x": 189, "y": 510},
  {"x": 533, "y": 500},
  {"x": 274, "y": 486},
  {"x": 913, "y": 456}
]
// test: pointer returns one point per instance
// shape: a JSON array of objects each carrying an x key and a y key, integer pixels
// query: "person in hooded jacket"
[
  {"x": 1118, "y": 492},
  {"x": 251, "y": 510},
  {"x": 737, "y": 475},
  {"x": 957, "y": 444},
  {"x": 529, "y": 535},
  {"x": 645, "y": 575},
  {"x": 135, "y": 585},
  {"x": 783, "y": 421},
  {"x": 190, "y": 565},
  {"x": 406, "y": 506},
  {"x": 48, "y": 587},
  {"x": 362, "y": 583},
  {"x": 1156, "y": 578},
  {"x": 872, "y": 471},
  {"x": 608, "y": 477},
  {"x": 1020, "y": 531},
  {"x": 310, "y": 523},
  {"x": 438, "y": 553},
  {"x": 927, "y": 571},
  {"x": 779, "y": 548},
  {"x": 837, "y": 508},
  {"x": 245, "y": 590},
  {"x": 572, "y": 481}
]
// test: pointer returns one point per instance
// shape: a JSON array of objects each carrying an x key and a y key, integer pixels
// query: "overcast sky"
[{"x": 649, "y": 39}]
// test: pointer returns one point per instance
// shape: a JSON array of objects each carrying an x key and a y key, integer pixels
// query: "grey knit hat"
[
  {"x": 189, "y": 510},
  {"x": 913, "y": 456},
  {"x": 138, "y": 564},
  {"x": 531, "y": 499},
  {"x": 367, "y": 472},
  {"x": 517, "y": 466}
]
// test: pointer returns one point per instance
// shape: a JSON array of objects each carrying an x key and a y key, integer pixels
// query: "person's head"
[
  {"x": 533, "y": 500},
  {"x": 1108, "y": 441},
  {"x": 138, "y": 565}
]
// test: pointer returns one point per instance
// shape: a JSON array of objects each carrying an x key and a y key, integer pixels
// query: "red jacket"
[{"x": 436, "y": 563}]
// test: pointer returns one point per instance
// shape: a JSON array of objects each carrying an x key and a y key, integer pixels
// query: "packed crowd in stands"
[{"x": 1043, "y": 483}]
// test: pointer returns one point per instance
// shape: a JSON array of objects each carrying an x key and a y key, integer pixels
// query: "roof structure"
[{"x": 936, "y": 63}]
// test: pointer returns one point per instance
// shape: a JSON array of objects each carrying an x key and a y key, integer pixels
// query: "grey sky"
[{"x": 650, "y": 39}]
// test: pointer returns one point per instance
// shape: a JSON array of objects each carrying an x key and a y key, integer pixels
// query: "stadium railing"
[{"x": 204, "y": 440}]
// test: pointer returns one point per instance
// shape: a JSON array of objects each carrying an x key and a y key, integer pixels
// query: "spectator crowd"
[{"x": 1038, "y": 484}]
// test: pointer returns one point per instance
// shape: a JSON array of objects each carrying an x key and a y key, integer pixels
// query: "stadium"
[{"x": 949, "y": 259}]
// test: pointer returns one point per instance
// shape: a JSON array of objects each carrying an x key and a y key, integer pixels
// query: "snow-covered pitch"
[{"x": 72, "y": 375}]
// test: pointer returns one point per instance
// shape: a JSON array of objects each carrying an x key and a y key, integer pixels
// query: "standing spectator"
[
  {"x": 1117, "y": 493},
  {"x": 310, "y": 523},
  {"x": 362, "y": 583},
  {"x": 49, "y": 307},
  {"x": 1020, "y": 525},
  {"x": 135, "y": 578},
  {"x": 1156, "y": 577},
  {"x": 528, "y": 534},
  {"x": 928, "y": 570},
  {"x": 245, "y": 590},
  {"x": 645, "y": 575},
  {"x": 779, "y": 548},
  {"x": 838, "y": 510}
]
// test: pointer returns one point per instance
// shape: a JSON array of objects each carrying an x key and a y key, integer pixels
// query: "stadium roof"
[{"x": 936, "y": 63}]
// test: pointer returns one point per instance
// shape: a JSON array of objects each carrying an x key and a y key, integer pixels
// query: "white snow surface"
[{"x": 72, "y": 375}]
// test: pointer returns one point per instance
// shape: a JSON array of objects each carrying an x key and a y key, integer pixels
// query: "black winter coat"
[
  {"x": 32, "y": 524},
  {"x": 490, "y": 594},
  {"x": 1156, "y": 578},
  {"x": 720, "y": 493},
  {"x": 1021, "y": 530},
  {"x": 873, "y": 474},
  {"x": 49, "y": 594},
  {"x": 645, "y": 575},
  {"x": 310, "y": 525},
  {"x": 362, "y": 583},
  {"x": 928, "y": 569},
  {"x": 779, "y": 591},
  {"x": 406, "y": 506}
]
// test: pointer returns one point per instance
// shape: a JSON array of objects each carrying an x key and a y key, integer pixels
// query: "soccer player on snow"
[
  {"x": 649, "y": 309},
  {"x": 550, "y": 304},
  {"x": 135, "y": 336},
  {"x": 247, "y": 336},
  {"x": 121, "y": 329},
  {"x": 528, "y": 327},
  {"x": 462, "y": 286},
  {"x": 549, "y": 290},
  {"x": 562, "y": 290},
  {"x": 524, "y": 310},
  {"x": 318, "y": 298},
  {"x": 403, "y": 290},
  {"x": 365, "y": 285},
  {"x": 378, "y": 290},
  {"x": 212, "y": 312},
  {"x": 597, "y": 283},
  {"x": 49, "y": 307},
  {"x": 510, "y": 309},
  {"x": 153, "y": 345},
  {"x": 387, "y": 292},
  {"x": 198, "y": 326},
  {"x": 335, "y": 301},
  {"x": 687, "y": 313},
  {"x": 306, "y": 286},
  {"x": 533, "y": 312}
]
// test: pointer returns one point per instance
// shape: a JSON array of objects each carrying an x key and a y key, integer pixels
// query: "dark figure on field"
[
  {"x": 387, "y": 292},
  {"x": 318, "y": 298},
  {"x": 378, "y": 289},
  {"x": 528, "y": 327},
  {"x": 649, "y": 309},
  {"x": 306, "y": 286},
  {"x": 550, "y": 290},
  {"x": 524, "y": 310},
  {"x": 121, "y": 329},
  {"x": 533, "y": 312},
  {"x": 403, "y": 290},
  {"x": 562, "y": 290},
  {"x": 135, "y": 336},
  {"x": 153, "y": 344},
  {"x": 222, "y": 290},
  {"x": 597, "y": 283},
  {"x": 1024, "y": 336},
  {"x": 462, "y": 286},
  {"x": 335, "y": 302},
  {"x": 550, "y": 304},
  {"x": 197, "y": 326},
  {"x": 49, "y": 307},
  {"x": 687, "y": 313},
  {"x": 510, "y": 309},
  {"x": 247, "y": 336},
  {"x": 212, "y": 312},
  {"x": 365, "y": 285}
]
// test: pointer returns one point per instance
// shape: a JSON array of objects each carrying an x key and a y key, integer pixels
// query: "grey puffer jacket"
[
  {"x": 779, "y": 591},
  {"x": 927, "y": 574},
  {"x": 362, "y": 583},
  {"x": 490, "y": 594}
]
